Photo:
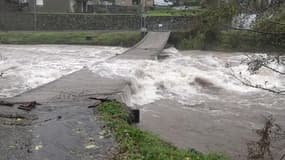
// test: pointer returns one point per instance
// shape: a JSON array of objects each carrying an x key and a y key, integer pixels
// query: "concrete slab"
[
  {"x": 80, "y": 83},
  {"x": 63, "y": 127},
  {"x": 148, "y": 48}
]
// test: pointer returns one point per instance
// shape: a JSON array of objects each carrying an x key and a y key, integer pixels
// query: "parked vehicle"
[{"x": 163, "y": 3}]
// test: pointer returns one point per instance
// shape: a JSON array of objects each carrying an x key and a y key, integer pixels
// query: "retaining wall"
[{"x": 59, "y": 22}]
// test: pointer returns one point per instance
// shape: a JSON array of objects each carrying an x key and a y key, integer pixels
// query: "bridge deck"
[{"x": 148, "y": 48}]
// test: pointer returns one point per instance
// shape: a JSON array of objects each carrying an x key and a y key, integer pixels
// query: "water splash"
[
  {"x": 188, "y": 79},
  {"x": 27, "y": 67},
  {"x": 244, "y": 21}
]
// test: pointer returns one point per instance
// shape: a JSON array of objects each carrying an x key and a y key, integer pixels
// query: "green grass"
[
  {"x": 125, "y": 39},
  {"x": 250, "y": 42},
  {"x": 228, "y": 41},
  {"x": 139, "y": 145},
  {"x": 172, "y": 12},
  {"x": 65, "y": 13}
]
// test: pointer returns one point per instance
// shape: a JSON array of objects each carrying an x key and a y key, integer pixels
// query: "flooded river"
[{"x": 190, "y": 98}]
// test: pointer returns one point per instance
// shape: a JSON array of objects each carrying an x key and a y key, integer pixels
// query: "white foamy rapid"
[
  {"x": 245, "y": 21},
  {"x": 27, "y": 67},
  {"x": 189, "y": 79}
]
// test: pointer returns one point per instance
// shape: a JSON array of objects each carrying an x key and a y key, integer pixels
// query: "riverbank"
[
  {"x": 227, "y": 41},
  {"x": 137, "y": 144},
  {"x": 123, "y": 39}
]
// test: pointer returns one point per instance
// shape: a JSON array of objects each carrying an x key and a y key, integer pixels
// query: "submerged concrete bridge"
[
  {"x": 63, "y": 127},
  {"x": 148, "y": 48}
]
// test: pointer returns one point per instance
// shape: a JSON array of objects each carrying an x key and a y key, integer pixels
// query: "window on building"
[{"x": 23, "y": 1}]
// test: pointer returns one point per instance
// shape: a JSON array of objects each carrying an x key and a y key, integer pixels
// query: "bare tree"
[
  {"x": 261, "y": 149},
  {"x": 255, "y": 63}
]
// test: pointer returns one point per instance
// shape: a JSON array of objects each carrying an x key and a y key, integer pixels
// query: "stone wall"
[
  {"x": 16, "y": 21},
  {"x": 113, "y": 9},
  {"x": 60, "y": 22},
  {"x": 165, "y": 23}
]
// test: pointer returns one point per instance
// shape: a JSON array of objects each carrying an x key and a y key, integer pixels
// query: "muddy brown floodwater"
[
  {"x": 189, "y": 98},
  {"x": 224, "y": 121}
]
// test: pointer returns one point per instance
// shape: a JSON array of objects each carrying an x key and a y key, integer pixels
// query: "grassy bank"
[
  {"x": 224, "y": 41},
  {"x": 138, "y": 145},
  {"x": 228, "y": 41},
  {"x": 250, "y": 42},
  {"x": 125, "y": 39}
]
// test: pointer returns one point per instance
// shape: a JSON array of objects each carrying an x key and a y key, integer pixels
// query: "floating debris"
[
  {"x": 19, "y": 119},
  {"x": 101, "y": 98},
  {"x": 38, "y": 147},
  {"x": 28, "y": 106},
  {"x": 4, "y": 103},
  {"x": 90, "y": 146}
]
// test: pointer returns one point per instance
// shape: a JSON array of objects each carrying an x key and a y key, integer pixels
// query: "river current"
[{"x": 193, "y": 81}]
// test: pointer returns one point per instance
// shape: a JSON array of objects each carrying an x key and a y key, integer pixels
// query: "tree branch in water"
[
  {"x": 275, "y": 70},
  {"x": 246, "y": 82}
]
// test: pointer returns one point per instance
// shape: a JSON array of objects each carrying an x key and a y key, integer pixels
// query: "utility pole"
[
  {"x": 35, "y": 15},
  {"x": 143, "y": 17}
]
